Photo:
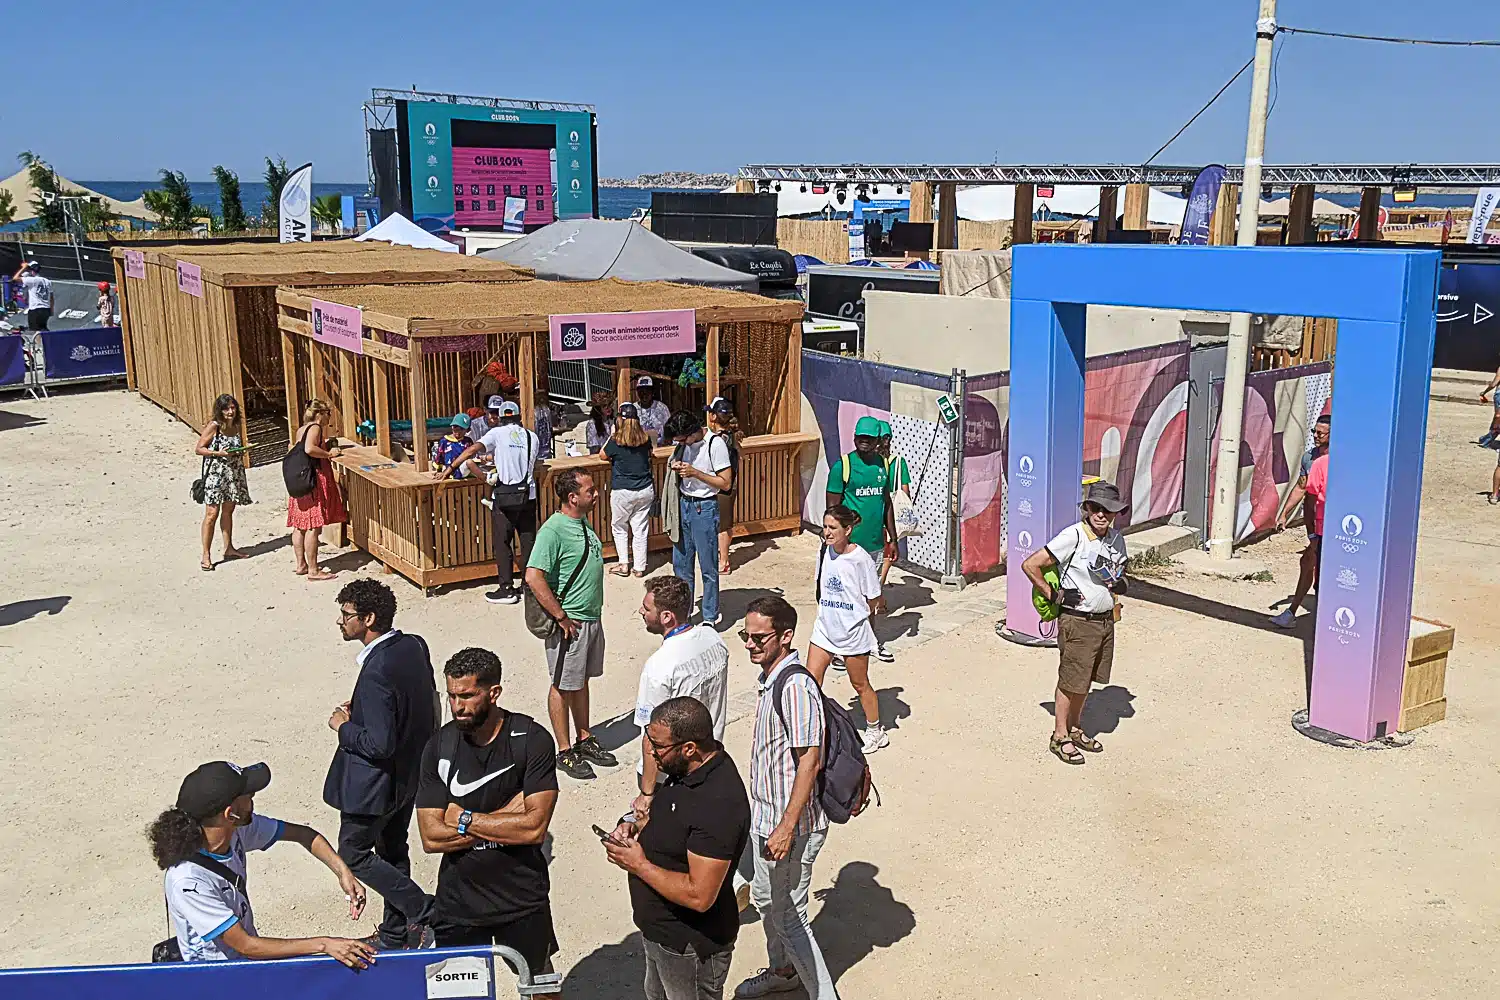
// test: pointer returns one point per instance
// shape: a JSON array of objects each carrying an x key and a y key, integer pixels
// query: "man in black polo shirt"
[
  {"x": 679, "y": 859},
  {"x": 486, "y": 794}
]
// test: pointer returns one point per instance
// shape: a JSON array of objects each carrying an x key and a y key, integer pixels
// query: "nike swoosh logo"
[{"x": 462, "y": 788}]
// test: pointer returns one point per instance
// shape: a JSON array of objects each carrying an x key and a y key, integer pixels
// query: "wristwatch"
[{"x": 464, "y": 819}]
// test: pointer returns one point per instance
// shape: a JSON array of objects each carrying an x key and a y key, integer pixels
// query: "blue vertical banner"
[
  {"x": 12, "y": 359},
  {"x": 1200, "y": 208}
]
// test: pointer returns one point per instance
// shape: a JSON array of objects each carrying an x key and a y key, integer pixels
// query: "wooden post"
[
  {"x": 315, "y": 353},
  {"x": 1222, "y": 228},
  {"x": 346, "y": 394},
  {"x": 293, "y": 397},
  {"x": 1369, "y": 213},
  {"x": 946, "y": 237},
  {"x": 418, "y": 379},
  {"x": 622, "y": 380},
  {"x": 1299, "y": 215},
  {"x": 527, "y": 375},
  {"x": 1109, "y": 211},
  {"x": 921, "y": 210},
  {"x": 743, "y": 185},
  {"x": 711, "y": 362},
  {"x": 1137, "y": 201},
  {"x": 382, "y": 407},
  {"x": 128, "y": 344},
  {"x": 236, "y": 368},
  {"x": 788, "y": 416},
  {"x": 1020, "y": 227}
]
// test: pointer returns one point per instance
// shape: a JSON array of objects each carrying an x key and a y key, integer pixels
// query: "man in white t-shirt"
[
  {"x": 1091, "y": 556},
  {"x": 201, "y": 844},
  {"x": 37, "y": 291},
  {"x": 691, "y": 662},
  {"x": 653, "y": 412},
  {"x": 515, "y": 451},
  {"x": 703, "y": 467}
]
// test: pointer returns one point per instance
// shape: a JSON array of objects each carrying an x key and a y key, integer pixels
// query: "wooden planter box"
[{"x": 1424, "y": 698}]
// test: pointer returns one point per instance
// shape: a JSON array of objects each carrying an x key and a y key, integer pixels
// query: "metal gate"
[{"x": 577, "y": 381}]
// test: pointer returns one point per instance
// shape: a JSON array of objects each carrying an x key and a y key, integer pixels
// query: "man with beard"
[
  {"x": 680, "y": 856},
  {"x": 488, "y": 788}
]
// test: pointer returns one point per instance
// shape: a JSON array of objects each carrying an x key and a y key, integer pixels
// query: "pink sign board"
[
  {"x": 135, "y": 264},
  {"x": 484, "y": 178},
  {"x": 190, "y": 278},
  {"x": 623, "y": 335},
  {"x": 337, "y": 325}
]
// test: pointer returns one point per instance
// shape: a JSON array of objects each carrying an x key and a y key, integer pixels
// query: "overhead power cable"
[{"x": 1391, "y": 39}]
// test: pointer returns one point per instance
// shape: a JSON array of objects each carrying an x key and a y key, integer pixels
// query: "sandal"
[
  {"x": 1066, "y": 756},
  {"x": 1085, "y": 743}
]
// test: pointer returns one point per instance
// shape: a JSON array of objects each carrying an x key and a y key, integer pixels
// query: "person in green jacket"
[{"x": 862, "y": 482}]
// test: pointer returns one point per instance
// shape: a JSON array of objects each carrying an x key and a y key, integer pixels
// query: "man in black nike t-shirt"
[{"x": 486, "y": 794}]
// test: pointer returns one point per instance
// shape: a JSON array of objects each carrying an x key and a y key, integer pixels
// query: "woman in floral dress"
[
  {"x": 307, "y": 515},
  {"x": 224, "y": 485}
]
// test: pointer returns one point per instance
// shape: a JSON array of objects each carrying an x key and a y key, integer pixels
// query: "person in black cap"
[
  {"x": 1090, "y": 556},
  {"x": 201, "y": 844}
]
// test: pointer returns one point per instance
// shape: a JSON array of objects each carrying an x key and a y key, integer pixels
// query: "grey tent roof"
[{"x": 590, "y": 249}]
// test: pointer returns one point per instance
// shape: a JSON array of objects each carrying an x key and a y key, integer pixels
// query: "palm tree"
[{"x": 328, "y": 210}]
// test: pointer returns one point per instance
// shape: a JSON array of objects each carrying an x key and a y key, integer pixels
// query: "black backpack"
[
  {"x": 844, "y": 782},
  {"x": 298, "y": 469}
]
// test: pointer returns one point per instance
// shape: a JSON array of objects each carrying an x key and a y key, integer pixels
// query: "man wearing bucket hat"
[
  {"x": 1090, "y": 559},
  {"x": 201, "y": 843}
]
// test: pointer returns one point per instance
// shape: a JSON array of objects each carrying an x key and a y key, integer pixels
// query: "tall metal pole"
[{"x": 1232, "y": 415}]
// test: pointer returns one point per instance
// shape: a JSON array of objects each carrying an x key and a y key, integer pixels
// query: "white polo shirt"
[
  {"x": 203, "y": 905},
  {"x": 693, "y": 663},
  {"x": 1088, "y": 564},
  {"x": 710, "y": 455},
  {"x": 515, "y": 451}
]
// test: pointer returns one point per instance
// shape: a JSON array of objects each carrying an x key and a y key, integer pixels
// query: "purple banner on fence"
[
  {"x": 12, "y": 359},
  {"x": 1202, "y": 199},
  {"x": 337, "y": 325}
]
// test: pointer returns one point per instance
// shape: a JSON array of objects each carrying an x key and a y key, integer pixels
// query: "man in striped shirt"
[{"x": 787, "y": 823}]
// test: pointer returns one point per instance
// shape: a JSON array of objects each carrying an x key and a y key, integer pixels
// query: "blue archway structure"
[{"x": 1386, "y": 304}]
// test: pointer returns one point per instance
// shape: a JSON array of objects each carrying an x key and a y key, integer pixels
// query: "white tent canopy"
[
  {"x": 791, "y": 200},
  {"x": 399, "y": 230},
  {"x": 1322, "y": 208}
]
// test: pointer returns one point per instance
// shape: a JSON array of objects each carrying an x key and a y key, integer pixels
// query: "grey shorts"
[{"x": 572, "y": 663}]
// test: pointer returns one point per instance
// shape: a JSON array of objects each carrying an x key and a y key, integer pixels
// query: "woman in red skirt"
[{"x": 307, "y": 515}]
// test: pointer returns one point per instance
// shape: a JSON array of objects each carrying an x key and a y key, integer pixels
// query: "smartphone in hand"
[{"x": 607, "y": 838}]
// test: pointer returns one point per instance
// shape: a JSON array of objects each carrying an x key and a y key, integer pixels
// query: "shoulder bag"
[
  {"x": 169, "y": 950},
  {"x": 299, "y": 470},
  {"x": 515, "y": 494},
  {"x": 538, "y": 621}
]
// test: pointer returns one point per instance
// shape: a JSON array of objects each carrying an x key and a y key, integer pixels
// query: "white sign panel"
[{"x": 464, "y": 976}]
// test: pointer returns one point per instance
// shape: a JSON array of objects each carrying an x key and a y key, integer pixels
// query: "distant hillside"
[{"x": 671, "y": 179}]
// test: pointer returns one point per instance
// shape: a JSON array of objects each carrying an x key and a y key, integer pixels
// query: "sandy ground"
[{"x": 1210, "y": 852}]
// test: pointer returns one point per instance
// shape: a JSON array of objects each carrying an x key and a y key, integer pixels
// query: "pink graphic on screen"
[{"x": 484, "y": 178}]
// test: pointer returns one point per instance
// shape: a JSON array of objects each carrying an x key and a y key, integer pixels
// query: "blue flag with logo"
[
  {"x": 1200, "y": 208},
  {"x": 89, "y": 352}
]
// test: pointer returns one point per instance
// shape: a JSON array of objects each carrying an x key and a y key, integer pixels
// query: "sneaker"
[
  {"x": 741, "y": 893},
  {"x": 714, "y": 621},
  {"x": 765, "y": 982},
  {"x": 884, "y": 655},
  {"x": 591, "y": 752},
  {"x": 837, "y": 663},
  {"x": 503, "y": 597},
  {"x": 420, "y": 936},
  {"x": 574, "y": 766},
  {"x": 875, "y": 738},
  {"x": 1285, "y": 619}
]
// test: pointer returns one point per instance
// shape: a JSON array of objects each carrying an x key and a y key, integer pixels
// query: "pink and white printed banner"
[
  {"x": 190, "y": 278},
  {"x": 338, "y": 325},
  {"x": 623, "y": 335},
  {"x": 135, "y": 264}
]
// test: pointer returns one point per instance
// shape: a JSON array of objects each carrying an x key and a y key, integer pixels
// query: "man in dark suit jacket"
[{"x": 372, "y": 781}]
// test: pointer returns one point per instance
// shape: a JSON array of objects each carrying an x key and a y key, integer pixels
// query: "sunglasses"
[{"x": 756, "y": 638}]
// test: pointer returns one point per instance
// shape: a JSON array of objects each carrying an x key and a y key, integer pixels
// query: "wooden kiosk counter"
[{"x": 418, "y": 349}]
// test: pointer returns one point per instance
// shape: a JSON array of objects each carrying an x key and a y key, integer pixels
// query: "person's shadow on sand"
[
  {"x": 1103, "y": 711},
  {"x": 858, "y": 916}
]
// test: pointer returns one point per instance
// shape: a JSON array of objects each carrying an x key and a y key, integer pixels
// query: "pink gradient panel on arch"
[{"x": 484, "y": 178}]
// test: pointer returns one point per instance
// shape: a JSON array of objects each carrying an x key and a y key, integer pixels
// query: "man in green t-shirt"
[
  {"x": 865, "y": 489},
  {"x": 566, "y": 576}
]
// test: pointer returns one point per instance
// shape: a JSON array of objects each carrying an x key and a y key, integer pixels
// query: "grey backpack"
[{"x": 844, "y": 783}]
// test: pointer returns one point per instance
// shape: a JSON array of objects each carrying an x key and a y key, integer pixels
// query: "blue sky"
[{"x": 711, "y": 86}]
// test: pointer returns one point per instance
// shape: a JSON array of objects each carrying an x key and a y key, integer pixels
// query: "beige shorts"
[
  {"x": 571, "y": 664},
  {"x": 1086, "y": 650}
]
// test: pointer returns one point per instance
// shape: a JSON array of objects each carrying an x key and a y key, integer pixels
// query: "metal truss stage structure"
[{"x": 1322, "y": 174}]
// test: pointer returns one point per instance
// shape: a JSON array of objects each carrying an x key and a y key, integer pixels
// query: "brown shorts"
[
  {"x": 1086, "y": 649},
  {"x": 726, "y": 511}
]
